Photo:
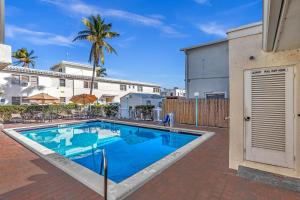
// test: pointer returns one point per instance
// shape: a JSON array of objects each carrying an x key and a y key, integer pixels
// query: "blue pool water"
[{"x": 129, "y": 149}]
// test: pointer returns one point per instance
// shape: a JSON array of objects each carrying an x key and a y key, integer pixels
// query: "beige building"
[
  {"x": 264, "y": 71},
  {"x": 264, "y": 88}
]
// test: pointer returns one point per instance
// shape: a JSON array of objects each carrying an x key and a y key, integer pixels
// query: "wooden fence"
[{"x": 212, "y": 112}]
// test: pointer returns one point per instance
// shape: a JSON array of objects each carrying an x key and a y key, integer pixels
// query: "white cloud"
[
  {"x": 126, "y": 42},
  {"x": 77, "y": 7},
  {"x": 37, "y": 37},
  {"x": 213, "y": 29},
  {"x": 206, "y": 2}
]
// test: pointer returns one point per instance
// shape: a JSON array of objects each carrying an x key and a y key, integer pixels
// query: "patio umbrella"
[
  {"x": 84, "y": 99},
  {"x": 43, "y": 98}
]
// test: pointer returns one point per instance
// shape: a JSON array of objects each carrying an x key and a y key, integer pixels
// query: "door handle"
[{"x": 247, "y": 118}]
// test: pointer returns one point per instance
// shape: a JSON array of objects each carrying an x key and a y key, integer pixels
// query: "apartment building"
[
  {"x": 63, "y": 81},
  {"x": 173, "y": 92},
  {"x": 207, "y": 70}
]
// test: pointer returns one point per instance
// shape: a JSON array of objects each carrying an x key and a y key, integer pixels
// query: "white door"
[{"x": 269, "y": 116}]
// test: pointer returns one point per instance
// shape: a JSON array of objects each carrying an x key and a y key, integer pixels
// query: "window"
[
  {"x": 95, "y": 85},
  {"x": 156, "y": 90},
  {"x": 2, "y": 101},
  {"x": 24, "y": 81},
  {"x": 123, "y": 87},
  {"x": 85, "y": 84},
  {"x": 140, "y": 89},
  {"x": 25, "y": 100},
  {"x": 62, "y": 82},
  {"x": 15, "y": 80},
  {"x": 62, "y": 100},
  {"x": 34, "y": 81},
  {"x": 215, "y": 95},
  {"x": 60, "y": 70},
  {"x": 148, "y": 103},
  {"x": 16, "y": 100},
  {"x": 133, "y": 87}
]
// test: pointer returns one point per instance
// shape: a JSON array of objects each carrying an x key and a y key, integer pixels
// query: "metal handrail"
[{"x": 103, "y": 166}]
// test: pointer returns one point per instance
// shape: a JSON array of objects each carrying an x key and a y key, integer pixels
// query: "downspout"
[
  {"x": 281, "y": 21},
  {"x": 2, "y": 27}
]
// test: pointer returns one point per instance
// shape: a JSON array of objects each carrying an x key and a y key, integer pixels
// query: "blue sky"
[{"x": 151, "y": 32}]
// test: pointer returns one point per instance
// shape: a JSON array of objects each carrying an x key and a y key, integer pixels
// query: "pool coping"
[{"x": 95, "y": 181}]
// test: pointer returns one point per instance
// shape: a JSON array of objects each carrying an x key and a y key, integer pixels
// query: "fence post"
[{"x": 196, "y": 94}]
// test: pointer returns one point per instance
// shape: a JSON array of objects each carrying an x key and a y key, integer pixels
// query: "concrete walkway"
[{"x": 202, "y": 174}]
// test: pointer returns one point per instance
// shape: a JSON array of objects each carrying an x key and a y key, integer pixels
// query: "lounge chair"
[
  {"x": 166, "y": 120},
  {"x": 65, "y": 115},
  {"x": 16, "y": 117},
  {"x": 27, "y": 117},
  {"x": 39, "y": 117}
]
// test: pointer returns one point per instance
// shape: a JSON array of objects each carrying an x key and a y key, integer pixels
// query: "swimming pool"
[
  {"x": 136, "y": 152},
  {"x": 129, "y": 149}
]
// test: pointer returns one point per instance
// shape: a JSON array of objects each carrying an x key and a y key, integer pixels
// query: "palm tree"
[
  {"x": 96, "y": 32},
  {"x": 24, "y": 57},
  {"x": 101, "y": 72}
]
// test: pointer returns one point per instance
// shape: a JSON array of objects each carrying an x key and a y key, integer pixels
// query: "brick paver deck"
[{"x": 202, "y": 174}]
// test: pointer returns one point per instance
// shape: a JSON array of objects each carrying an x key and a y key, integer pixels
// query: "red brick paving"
[
  {"x": 202, "y": 174},
  {"x": 24, "y": 175}
]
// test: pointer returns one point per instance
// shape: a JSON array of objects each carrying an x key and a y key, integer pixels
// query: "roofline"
[
  {"x": 245, "y": 27},
  {"x": 75, "y": 64},
  {"x": 204, "y": 45},
  {"x": 64, "y": 75},
  {"x": 136, "y": 93}
]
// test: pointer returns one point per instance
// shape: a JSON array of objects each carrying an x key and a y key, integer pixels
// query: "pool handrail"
[{"x": 104, "y": 168}]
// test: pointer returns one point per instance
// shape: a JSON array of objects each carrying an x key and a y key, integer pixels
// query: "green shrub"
[
  {"x": 7, "y": 110},
  {"x": 145, "y": 109},
  {"x": 111, "y": 110}
]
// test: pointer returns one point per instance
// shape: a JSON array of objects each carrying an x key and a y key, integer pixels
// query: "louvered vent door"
[{"x": 269, "y": 116}]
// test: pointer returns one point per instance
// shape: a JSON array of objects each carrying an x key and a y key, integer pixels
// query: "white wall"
[
  {"x": 132, "y": 100},
  {"x": 244, "y": 43},
  {"x": 207, "y": 69},
  {"x": 78, "y": 71},
  {"x": 50, "y": 85}
]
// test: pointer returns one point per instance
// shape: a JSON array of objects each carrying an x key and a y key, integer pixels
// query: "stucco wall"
[
  {"x": 78, "y": 71},
  {"x": 51, "y": 86},
  {"x": 207, "y": 69},
  {"x": 241, "y": 47}
]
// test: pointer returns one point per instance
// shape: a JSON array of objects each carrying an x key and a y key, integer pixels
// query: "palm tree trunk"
[{"x": 93, "y": 77}]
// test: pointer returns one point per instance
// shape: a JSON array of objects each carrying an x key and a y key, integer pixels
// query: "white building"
[
  {"x": 131, "y": 100},
  {"x": 63, "y": 81},
  {"x": 174, "y": 92}
]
